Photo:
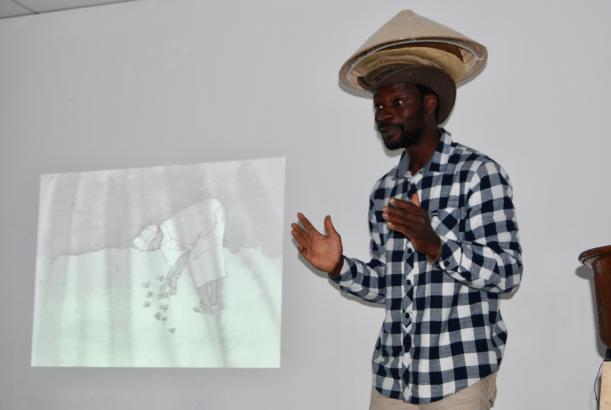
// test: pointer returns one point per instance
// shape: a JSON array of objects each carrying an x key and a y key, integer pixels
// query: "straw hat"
[{"x": 410, "y": 40}]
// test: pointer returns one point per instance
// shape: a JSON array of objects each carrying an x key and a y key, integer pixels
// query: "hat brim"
[
  {"x": 461, "y": 60},
  {"x": 412, "y": 39},
  {"x": 436, "y": 80}
]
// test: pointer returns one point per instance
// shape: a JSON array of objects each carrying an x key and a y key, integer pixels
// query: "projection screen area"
[{"x": 176, "y": 266}]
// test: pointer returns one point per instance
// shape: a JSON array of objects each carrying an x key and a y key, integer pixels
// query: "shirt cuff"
[
  {"x": 344, "y": 274},
  {"x": 451, "y": 254}
]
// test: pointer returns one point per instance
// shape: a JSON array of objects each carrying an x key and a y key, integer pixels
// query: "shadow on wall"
[{"x": 323, "y": 275}]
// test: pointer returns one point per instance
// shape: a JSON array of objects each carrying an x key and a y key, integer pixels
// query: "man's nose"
[{"x": 384, "y": 115}]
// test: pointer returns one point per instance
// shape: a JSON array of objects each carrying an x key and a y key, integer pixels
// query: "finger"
[
  {"x": 401, "y": 203},
  {"x": 329, "y": 226},
  {"x": 397, "y": 227},
  {"x": 295, "y": 227},
  {"x": 416, "y": 199},
  {"x": 403, "y": 216},
  {"x": 400, "y": 228},
  {"x": 300, "y": 246},
  {"x": 306, "y": 223},
  {"x": 393, "y": 211},
  {"x": 299, "y": 234},
  {"x": 409, "y": 230}
]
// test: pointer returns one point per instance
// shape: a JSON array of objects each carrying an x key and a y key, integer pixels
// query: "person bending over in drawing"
[{"x": 191, "y": 240}]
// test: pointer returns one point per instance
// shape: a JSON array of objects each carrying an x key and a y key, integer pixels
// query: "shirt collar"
[{"x": 437, "y": 163}]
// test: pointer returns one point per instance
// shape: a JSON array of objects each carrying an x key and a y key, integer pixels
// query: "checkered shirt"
[{"x": 443, "y": 330}]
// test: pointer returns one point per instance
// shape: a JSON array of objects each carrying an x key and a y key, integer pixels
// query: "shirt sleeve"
[
  {"x": 367, "y": 280},
  {"x": 488, "y": 256}
]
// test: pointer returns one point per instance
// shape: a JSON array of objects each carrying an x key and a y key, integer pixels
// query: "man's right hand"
[{"x": 324, "y": 252}]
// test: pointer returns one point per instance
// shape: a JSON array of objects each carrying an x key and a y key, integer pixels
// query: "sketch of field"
[{"x": 177, "y": 266}]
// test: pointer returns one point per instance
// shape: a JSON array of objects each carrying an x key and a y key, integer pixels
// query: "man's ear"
[{"x": 430, "y": 103}]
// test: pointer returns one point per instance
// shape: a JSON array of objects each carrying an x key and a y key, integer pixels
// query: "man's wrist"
[{"x": 334, "y": 273}]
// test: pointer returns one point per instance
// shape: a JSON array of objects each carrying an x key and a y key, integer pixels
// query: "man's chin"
[{"x": 392, "y": 145}]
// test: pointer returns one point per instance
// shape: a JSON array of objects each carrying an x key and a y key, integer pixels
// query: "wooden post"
[{"x": 599, "y": 259}]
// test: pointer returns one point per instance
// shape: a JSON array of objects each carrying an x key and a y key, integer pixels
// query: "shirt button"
[
  {"x": 407, "y": 359},
  {"x": 407, "y": 344}
]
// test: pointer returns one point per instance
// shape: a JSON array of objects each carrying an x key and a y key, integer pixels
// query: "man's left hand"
[{"x": 414, "y": 222}]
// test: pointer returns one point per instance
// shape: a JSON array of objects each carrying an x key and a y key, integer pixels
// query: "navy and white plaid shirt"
[{"x": 443, "y": 330}]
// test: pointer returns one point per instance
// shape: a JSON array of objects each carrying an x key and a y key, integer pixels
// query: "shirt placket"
[{"x": 409, "y": 266}]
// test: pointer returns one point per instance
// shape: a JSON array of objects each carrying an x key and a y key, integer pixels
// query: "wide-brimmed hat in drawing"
[{"x": 440, "y": 58}]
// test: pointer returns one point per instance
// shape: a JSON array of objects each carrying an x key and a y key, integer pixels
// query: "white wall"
[{"x": 186, "y": 81}]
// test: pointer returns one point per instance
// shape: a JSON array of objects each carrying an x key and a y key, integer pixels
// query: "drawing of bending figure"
[{"x": 191, "y": 240}]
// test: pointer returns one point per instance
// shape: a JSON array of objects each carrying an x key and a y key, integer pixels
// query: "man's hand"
[
  {"x": 324, "y": 252},
  {"x": 414, "y": 222}
]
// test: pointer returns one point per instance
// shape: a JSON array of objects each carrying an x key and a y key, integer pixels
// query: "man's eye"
[
  {"x": 399, "y": 103},
  {"x": 378, "y": 107}
]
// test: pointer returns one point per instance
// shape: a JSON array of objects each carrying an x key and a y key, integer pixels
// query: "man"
[{"x": 444, "y": 245}]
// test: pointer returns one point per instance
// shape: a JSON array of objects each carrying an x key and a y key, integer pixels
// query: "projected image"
[{"x": 175, "y": 266}]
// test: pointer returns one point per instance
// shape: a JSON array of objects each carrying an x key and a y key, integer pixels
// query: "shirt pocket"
[{"x": 446, "y": 222}]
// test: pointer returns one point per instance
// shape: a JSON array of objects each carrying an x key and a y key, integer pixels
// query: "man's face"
[{"x": 399, "y": 115}]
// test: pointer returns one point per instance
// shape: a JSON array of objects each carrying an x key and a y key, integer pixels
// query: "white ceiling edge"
[
  {"x": 11, "y": 9},
  {"x": 18, "y": 8}
]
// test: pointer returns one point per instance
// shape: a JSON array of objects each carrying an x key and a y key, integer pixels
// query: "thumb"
[
  {"x": 416, "y": 199},
  {"x": 329, "y": 226}
]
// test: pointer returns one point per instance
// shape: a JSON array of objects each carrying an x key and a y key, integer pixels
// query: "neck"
[{"x": 421, "y": 153}]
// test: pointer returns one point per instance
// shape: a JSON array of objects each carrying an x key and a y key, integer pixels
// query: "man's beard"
[{"x": 410, "y": 134}]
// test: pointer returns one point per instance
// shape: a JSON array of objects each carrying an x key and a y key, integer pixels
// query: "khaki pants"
[{"x": 478, "y": 396}]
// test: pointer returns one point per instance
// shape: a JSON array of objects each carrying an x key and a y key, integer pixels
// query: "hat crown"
[
  {"x": 407, "y": 25},
  {"x": 409, "y": 38}
]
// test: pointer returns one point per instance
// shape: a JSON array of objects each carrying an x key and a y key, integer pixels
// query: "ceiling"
[{"x": 14, "y": 8}]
